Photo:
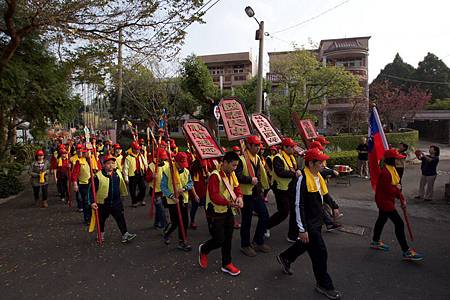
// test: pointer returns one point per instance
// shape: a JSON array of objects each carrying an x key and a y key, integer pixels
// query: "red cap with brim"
[
  {"x": 40, "y": 153},
  {"x": 236, "y": 148},
  {"x": 253, "y": 140},
  {"x": 117, "y": 146},
  {"x": 315, "y": 154},
  {"x": 79, "y": 146},
  {"x": 162, "y": 153},
  {"x": 393, "y": 153},
  {"x": 108, "y": 158},
  {"x": 135, "y": 145},
  {"x": 273, "y": 148},
  {"x": 317, "y": 145},
  {"x": 181, "y": 159},
  {"x": 321, "y": 139},
  {"x": 288, "y": 142}
]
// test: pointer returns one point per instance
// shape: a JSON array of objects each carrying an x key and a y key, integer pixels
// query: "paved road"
[{"x": 48, "y": 253}]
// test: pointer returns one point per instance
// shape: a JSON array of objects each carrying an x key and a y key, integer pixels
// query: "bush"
[
  {"x": 347, "y": 142},
  {"x": 9, "y": 185},
  {"x": 439, "y": 104},
  {"x": 349, "y": 158}
]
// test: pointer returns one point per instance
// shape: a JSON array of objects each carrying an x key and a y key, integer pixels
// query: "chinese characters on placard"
[
  {"x": 234, "y": 119},
  {"x": 266, "y": 130},
  {"x": 202, "y": 140}
]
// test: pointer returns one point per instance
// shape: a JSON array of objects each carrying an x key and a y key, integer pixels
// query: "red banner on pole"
[
  {"x": 202, "y": 139},
  {"x": 266, "y": 130},
  {"x": 234, "y": 117}
]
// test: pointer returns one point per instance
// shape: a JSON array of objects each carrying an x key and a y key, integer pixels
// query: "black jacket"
[{"x": 308, "y": 206}]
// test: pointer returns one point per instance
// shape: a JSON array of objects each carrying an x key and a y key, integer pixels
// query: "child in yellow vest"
[
  {"x": 184, "y": 184},
  {"x": 160, "y": 215},
  {"x": 110, "y": 187},
  {"x": 81, "y": 176},
  {"x": 134, "y": 170}
]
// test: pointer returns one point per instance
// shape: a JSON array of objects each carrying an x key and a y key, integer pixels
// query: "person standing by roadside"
[
  {"x": 429, "y": 172},
  {"x": 39, "y": 170},
  {"x": 221, "y": 207},
  {"x": 387, "y": 190},
  {"x": 401, "y": 163},
  {"x": 62, "y": 174},
  {"x": 363, "y": 157}
]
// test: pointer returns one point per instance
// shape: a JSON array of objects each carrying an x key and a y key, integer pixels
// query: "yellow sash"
[
  {"x": 311, "y": 183},
  {"x": 290, "y": 160},
  {"x": 394, "y": 174}
]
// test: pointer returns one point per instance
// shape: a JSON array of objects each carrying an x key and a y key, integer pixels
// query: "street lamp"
[{"x": 259, "y": 37}]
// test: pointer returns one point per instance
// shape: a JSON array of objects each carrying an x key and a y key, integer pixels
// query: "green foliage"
[
  {"x": 247, "y": 93},
  {"x": 349, "y": 158},
  {"x": 438, "y": 104},
  {"x": 347, "y": 142},
  {"x": 9, "y": 186},
  {"x": 431, "y": 68},
  {"x": 397, "y": 68}
]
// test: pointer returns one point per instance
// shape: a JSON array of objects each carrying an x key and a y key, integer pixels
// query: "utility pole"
[
  {"x": 119, "y": 78},
  {"x": 259, "y": 91}
]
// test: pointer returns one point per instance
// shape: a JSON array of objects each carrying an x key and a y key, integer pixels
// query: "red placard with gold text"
[
  {"x": 234, "y": 119},
  {"x": 305, "y": 127},
  {"x": 200, "y": 136},
  {"x": 266, "y": 130}
]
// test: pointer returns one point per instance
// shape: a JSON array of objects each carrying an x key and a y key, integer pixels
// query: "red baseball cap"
[
  {"x": 393, "y": 153},
  {"x": 321, "y": 139},
  {"x": 181, "y": 159},
  {"x": 62, "y": 151},
  {"x": 288, "y": 142},
  {"x": 317, "y": 145},
  {"x": 162, "y": 153},
  {"x": 163, "y": 144},
  {"x": 79, "y": 146},
  {"x": 108, "y": 158},
  {"x": 135, "y": 145},
  {"x": 253, "y": 140},
  {"x": 315, "y": 154},
  {"x": 236, "y": 148},
  {"x": 117, "y": 146},
  {"x": 273, "y": 148},
  {"x": 141, "y": 140},
  {"x": 39, "y": 152}
]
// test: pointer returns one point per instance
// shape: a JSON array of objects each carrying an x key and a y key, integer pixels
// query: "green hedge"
[
  {"x": 349, "y": 158},
  {"x": 348, "y": 142},
  {"x": 9, "y": 185}
]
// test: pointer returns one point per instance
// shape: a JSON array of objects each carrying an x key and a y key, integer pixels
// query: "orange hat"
[
  {"x": 141, "y": 140},
  {"x": 253, "y": 140},
  {"x": 39, "y": 152},
  {"x": 108, "y": 158},
  {"x": 181, "y": 159},
  {"x": 315, "y": 154},
  {"x": 393, "y": 153},
  {"x": 236, "y": 148},
  {"x": 317, "y": 145},
  {"x": 135, "y": 145},
  {"x": 321, "y": 139},
  {"x": 162, "y": 153},
  {"x": 117, "y": 146},
  {"x": 288, "y": 142}
]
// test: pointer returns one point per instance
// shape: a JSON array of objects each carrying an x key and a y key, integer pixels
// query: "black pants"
[
  {"x": 221, "y": 230},
  {"x": 79, "y": 200},
  {"x": 282, "y": 200},
  {"x": 400, "y": 172},
  {"x": 383, "y": 216},
  {"x": 318, "y": 254},
  {"x": 253, "y": 203},
  {"x": 84, "y": 193},
  {"x": 194, "y": 207},
  {"x": 173, "y": 213},
  {"x": 137, "y": 182},
  {"x": 104, "y": 210},
  {"x": 62, "y": 188},
  {"x": 39, "y": 188}
]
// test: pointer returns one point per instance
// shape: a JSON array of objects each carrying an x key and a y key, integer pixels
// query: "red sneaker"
[
  {"x": 202, "y": 258},
  {"x": 231, "y": 269}
]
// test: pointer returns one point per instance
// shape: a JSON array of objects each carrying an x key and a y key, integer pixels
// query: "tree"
[
  {"x": 304, "y": 80},
  {"x": 196, "y": 80},
  {"x": 396, "y": 105},
  {"x": 35, "y": 89},
  {"x": 433, "y": 69},
  {"x": 247, "y": 93},
  {"x": 397, "y": 69},
  {"x": 151, "y": 28}
]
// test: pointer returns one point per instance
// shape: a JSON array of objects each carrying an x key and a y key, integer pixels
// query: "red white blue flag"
[{"x": 377, "y": 143}]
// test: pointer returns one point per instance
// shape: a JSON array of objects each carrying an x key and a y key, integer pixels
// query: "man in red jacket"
[{"x": 388, "y": 189}]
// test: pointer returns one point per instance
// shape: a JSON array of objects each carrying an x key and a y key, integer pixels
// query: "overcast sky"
[{"x": 411, "y": 28}]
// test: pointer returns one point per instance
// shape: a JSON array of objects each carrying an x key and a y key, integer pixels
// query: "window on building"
[{"x": 238, "y": 69}]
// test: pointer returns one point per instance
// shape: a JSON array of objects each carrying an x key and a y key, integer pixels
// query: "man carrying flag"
[{"x": 377, "y": 144}]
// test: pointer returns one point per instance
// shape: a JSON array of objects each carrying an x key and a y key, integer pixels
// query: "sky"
[{"x": 412, "y": 28}]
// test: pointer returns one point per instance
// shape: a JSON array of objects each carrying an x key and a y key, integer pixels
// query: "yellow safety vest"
[
  {"x": 158, "y": 176},
  {"x": 103, "y": 187},
  {"x": 184, "y": 177},
  {"x": 282, "y": 183},
  {"x": 85, "y": 171},
  {"x": 132, "y": 163},
  {"x": 119, "y": 162},
  {"x": 247, "y": 188},
  {"x": 224, "y": 192}
]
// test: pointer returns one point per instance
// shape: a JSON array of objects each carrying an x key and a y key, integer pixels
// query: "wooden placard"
[
  {"x": 305, "y": 128},
  {"x": 201, "y": 138},
  {"x": 266, "y": 130},
  {"x": 235, "y": 120}
]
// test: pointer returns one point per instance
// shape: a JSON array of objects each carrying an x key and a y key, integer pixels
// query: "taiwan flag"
[{"x": 377, "y": 143}]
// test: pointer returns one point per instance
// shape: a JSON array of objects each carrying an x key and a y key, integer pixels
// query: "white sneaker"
[
  {"x": 290, "y": 241},
  {"x": 267, "y": 234}
]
